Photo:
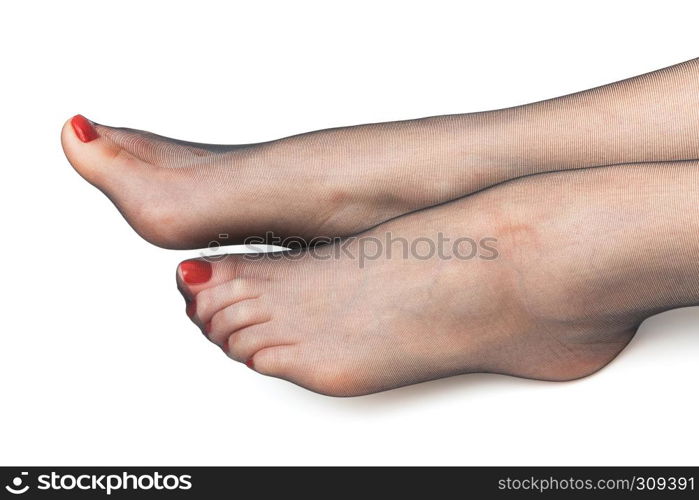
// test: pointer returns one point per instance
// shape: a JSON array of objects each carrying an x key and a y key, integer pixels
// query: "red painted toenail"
[
  {"x": 191, "y": 307},
  {"x": 195, "y": 271},
  {"x": 250, "y": 364},
  {"x": 207, "y": 327},
  {"x": 83, "y": 128}
]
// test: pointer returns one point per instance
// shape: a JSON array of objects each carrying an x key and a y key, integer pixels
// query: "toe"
[
  {"x": 244, "y": 344},
  {"x": 131, "y": 167},
  {"x": 235, "y": 317},
  {"x": 196, "y": 275},
  {"x": 141, "y": 191},
  {"x": 276, "y": 361},
  {"x": 91, "y": 153},
  {"x": 89, "y": 145},
  {"x": 211, "y": 300}
]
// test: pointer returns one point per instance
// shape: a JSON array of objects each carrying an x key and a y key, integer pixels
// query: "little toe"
[
  {"x": 244, "y": 344},
  {"x": 275, "y": 361}
]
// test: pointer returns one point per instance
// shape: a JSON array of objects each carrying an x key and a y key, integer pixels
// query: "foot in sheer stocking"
[
  {"x": 582, "y": 258},
  {"x": 342, "y": 181}
]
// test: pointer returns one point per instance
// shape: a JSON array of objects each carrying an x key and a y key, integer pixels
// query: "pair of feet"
[{"x": 543, "y": 276}]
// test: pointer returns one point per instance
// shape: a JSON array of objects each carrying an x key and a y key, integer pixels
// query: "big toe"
[
  {"x": 126, "y": 166},
  {"x": 89, "y": 151}
]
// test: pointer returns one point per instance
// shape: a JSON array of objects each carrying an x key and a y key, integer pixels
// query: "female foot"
[
  {"x": 341, "y": 181},
  {"x": 497, "y": 282}
]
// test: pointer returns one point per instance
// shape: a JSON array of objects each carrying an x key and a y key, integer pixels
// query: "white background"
[{"x": 98, "y": 362}]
